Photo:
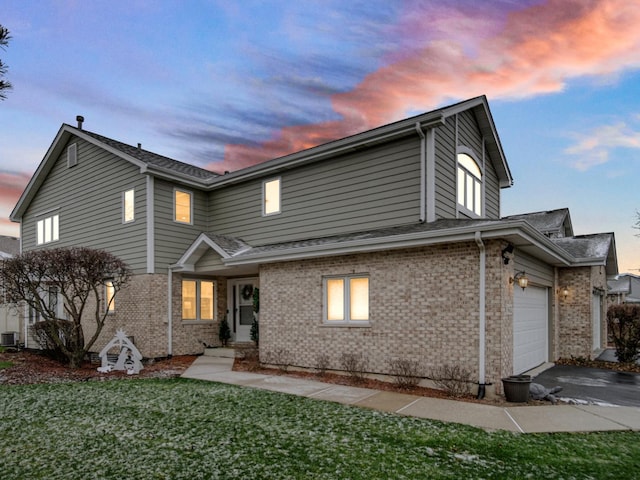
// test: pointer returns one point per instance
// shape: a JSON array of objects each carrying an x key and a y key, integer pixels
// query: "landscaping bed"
[{"x": 25, "y": 367}]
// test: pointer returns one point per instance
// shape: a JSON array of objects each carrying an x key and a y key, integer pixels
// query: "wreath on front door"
[{"x": 247, "y": 292}]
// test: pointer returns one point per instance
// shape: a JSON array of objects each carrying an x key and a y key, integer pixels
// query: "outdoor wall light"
[
  {"x": 521, "y": 278},
  {"x": 565, "y": 292},
  {"x": 506, "y": 252}
]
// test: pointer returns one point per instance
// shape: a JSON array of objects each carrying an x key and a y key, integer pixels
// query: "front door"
[{"x": 241, "y": 300}]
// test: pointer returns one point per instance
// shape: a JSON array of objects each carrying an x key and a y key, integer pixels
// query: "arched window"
[{"x": 469, "y": 184}]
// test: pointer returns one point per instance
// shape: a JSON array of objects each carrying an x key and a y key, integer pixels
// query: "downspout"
[
  {"x": 482, "y": 317},
  {"x": 423, "y": 171},
  {"x": 170, "y": 314}
]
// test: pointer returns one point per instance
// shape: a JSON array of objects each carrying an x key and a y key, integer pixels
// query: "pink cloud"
[
  {"x": 11, "y": 187},
  {"x": 534, "y": 51}
]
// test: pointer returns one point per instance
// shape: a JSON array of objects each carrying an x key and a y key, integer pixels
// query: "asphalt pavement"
[{"x": 593, "y": 386}]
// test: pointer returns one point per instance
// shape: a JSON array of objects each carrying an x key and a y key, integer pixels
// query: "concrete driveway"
[{"x": 593, "y": 385}]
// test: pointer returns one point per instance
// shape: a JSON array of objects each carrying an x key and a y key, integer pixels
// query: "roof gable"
[{"x": 146, "y": 161}]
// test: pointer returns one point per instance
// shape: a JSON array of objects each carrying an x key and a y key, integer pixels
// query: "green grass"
[
  {"x": 188, "y": 429},
  {"x": 5, "y": 364}
]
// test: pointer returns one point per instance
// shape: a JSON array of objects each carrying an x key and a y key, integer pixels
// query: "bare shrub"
[
  {"x": 453, "y": 379},
  {"x": 407, "y": 373},
  {"x": 355, "y": 364},
  {"x": 280, "y": 357},
  {"x": 251, "y": 357},
  {"x": 322, "y": 364},
  {"x": 623, "y": 323}
]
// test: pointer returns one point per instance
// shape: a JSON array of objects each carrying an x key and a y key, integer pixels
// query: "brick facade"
[
  {"x": 423, "y": 307},
  {"x": 575, "y": 329},
  {"x": 141, "y": 311}
]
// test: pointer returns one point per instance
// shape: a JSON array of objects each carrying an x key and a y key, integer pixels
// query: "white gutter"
[
  {"x": 421, "y": 238},
  {"x": 170, "y": 313},
  {"x": 423, "y": 172},
  {"x": 482, "y": 315}
]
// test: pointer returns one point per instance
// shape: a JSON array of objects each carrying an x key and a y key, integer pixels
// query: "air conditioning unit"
[{"x": 9, "y": 339}]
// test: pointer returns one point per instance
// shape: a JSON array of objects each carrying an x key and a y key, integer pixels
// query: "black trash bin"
[{"x": 516, "y": 388}]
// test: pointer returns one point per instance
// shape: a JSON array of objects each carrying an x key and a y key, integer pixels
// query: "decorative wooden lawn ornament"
[{"x": 129, "y": 358}]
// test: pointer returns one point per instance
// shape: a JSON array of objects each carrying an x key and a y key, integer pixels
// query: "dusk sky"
[{"x": 225, "y": 84}]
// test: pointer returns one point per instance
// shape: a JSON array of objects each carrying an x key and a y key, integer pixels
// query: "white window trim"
[
  {"x": 41, "y": 230},
  {"x": 173, "y": 201},
  {"x": 124, "y": 206},
  {"x": 479, "y": 183},
  {"x": 198, "y": 320},
  {"x": 264, "y": 197},
  {"x": 347, "y": 302}
]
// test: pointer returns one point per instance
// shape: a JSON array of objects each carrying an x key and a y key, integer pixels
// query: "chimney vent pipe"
[
  {"x": 139, "y": 146},
  {"x": 80, "y": 119}
]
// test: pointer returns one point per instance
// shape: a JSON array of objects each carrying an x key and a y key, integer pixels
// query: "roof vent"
[
  {"x": 80, "y": 119},
  {"x": 139, "y": 146}
]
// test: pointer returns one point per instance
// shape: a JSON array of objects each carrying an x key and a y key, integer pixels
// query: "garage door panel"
[{"x": 530, "y": 328}]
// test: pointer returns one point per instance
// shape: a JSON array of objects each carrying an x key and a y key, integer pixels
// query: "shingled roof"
[{"x": 155, "y": 159}]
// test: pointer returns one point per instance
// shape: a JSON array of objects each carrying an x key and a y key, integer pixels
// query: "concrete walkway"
[{"x": 523, "y": 419}]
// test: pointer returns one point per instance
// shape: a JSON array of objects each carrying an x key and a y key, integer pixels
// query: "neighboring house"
[
  {"x": 9, "y": 314},
  {"x": 624, "y": 288},
  {"x": 388, "y": 243}
]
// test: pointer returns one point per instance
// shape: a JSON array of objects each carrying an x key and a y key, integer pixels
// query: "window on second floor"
[
  {"x": 182, "y": 206},
  {"x": 469, "y": 185},
  {"x": 128, "y": 206},
  {"x": 48, "y": 229},
  {"x": 271, "y": 197}
]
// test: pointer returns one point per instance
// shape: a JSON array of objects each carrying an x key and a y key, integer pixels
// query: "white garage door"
[{"x": 530, "y": 328}]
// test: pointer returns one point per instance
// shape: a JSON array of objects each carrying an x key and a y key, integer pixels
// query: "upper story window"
[
  {"x": 48, "y": 229},
  {"x": 346, "y": 299},
  {"x": 182, "y": 206},
  {"x": 469, "y": 184},
  {"x": 271, "y": 197},
  {"x": 198, "y": 300},
  {"x": 128, "y": 206}
]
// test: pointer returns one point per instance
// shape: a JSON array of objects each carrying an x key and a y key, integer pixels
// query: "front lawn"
[{"x": 188, "y": 429}]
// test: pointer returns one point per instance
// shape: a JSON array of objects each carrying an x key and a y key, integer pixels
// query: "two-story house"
[{"x": 388, "y": 243}]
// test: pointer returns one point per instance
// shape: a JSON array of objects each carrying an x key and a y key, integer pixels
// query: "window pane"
[
  {"x": 110, "y": 293},
  {"x": 47, "y": 230},
  {"x": 461, "y": 186},
  {"x": 359, "y": 289},
  {"x": 335, "y": 299},
  {"x": 206, "y": 300},
  {"x": 183, "y": 207},
  {"x": 470, "y": 164},
  {"x": 272, "y": 196},
  {"x": 477, "y": 204},
  {"x": 129, "y": 206},
  {"x": 189, "y": 299},
  {"x": 54, "y": 228},
  {"x": 246, "y": 314},
  {"x": 469, "y": 195},
  {"x": 40, "y": 232}
]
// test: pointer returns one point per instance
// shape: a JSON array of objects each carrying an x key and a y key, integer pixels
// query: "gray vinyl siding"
[
  {"x": 172, "y": 238},
  {"x": 468, "y": 135},
  {"x": 374, "y": 188},
  {"x": 445, "y": 149},
  {"x": 211, "y": 260},
  {"x": 88, "y": 200},
  {"x": 538, "y": 272}
]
